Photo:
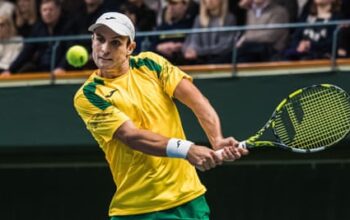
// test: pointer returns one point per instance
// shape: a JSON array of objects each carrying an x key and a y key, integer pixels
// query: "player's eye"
[
  {"x": 100, "y": 39},
  {"x": 116, "y": 43}
]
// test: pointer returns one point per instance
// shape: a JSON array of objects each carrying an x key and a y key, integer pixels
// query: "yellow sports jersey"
[{"x": 144, "y": 183}]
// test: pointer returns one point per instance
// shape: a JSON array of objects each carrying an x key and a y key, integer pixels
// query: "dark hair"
[
  {"x": 56, "y": 2},
  {"x": 336, "y": 5}
]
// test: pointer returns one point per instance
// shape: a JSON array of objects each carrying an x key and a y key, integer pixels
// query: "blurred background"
[{"x": 245, "y": 56}]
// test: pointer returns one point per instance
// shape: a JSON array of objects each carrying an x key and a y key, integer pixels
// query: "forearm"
[
  {"x": 209, "y": 121},
  {"x": 188, "y": 94},
  {"x": 152, "y": 143},
  {"x": 145, "y": 141}
]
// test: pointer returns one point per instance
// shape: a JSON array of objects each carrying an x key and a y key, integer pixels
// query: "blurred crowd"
[{"x": 21, "y": 19}]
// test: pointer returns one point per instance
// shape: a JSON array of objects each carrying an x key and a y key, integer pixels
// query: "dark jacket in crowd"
[
  {"x": 40, "y": 54},
  {"x": 321, "y": 38}
]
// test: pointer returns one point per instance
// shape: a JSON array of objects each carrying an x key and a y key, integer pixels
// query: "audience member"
[
  {"x": 245, "y": 4},
  {"x": 211, "y": 47},
  {"x": 131, "y": 11},
  {"x": 148, "y": 21},
  {"x": 263, "y": 45},
  {"x": 315, "y": 42},
  {"x": 8, "y": 50},
  {"x": 303, "y": 9},
  {"x": 37, "y": 56},
  {"x": 88, "y": 14},
  {"x": 25, "y": 16},
  {"x": 157, "y": 6},
  {"x": 344, "y": 43},
  {"x": 92, "y": 9},
  {"x": 179, "y": 14},
  {"x": 292, "y": 7},
  {"x": 7, "y": 8}
]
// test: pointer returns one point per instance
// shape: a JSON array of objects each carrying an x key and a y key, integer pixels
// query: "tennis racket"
[{"x": 310, "y": 119}]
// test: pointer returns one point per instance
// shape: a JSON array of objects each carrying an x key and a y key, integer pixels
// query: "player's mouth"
[{"x": 104, "y": 59}]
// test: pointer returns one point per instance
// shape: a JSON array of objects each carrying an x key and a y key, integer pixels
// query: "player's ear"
[{"x": 131, "y": 47}]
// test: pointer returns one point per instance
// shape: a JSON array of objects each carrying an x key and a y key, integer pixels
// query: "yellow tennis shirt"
[{"x": 144, "y": 183}]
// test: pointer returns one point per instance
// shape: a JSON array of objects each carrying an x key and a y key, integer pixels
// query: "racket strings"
[
  {"x": 318, "y": 117},
  {"x": 325, "y": 114},
  {"x": 317, "y": 134}
]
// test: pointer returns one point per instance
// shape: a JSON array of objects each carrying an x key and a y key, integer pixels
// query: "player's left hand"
[{"x": 231, "y": 150}]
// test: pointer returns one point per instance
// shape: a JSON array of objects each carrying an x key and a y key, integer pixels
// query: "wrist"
[{"x": 178, "y": 148}]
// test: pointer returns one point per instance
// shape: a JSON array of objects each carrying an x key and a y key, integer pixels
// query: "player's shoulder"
[
  {"x": 148, "y": 54},
  {"x": 147, "y": 57},
  {"x": 79, "y": 94}
]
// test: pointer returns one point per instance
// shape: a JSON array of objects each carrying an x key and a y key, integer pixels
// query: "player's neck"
[{"x": 114, "y": 72}]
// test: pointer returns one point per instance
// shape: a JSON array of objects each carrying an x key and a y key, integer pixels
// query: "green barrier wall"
[{"x": 44, "y": 115}]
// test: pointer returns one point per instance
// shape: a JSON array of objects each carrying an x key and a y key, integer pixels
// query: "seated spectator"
[
  {"x": 157, "y": 6},
  {"x": 344, "y": 43},
  {"x": 7, "y": 8},
  {"x": 25, "y": 16},
  {"x": 292, "y": 6},
  {"x": 8, "y": 50},
  {"x": 37, "y": 56},
  {"x": 211, "y": 47},
  {"x": 179, "y": 14},
  {"x": 92, "y": 9},
  {"x": 315, "y": 42},
  {"x": 87, "y": 15},
  {"x": 263, "y": 45},
  {"x": 148, "y": 21},
  {"x": 131, "y": 11},
  {"x": 303, "y": 9},
  {"x": 245, "y": 4}
]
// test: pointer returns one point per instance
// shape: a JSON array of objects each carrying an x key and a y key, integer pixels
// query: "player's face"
[{"x": 109, "y": 50}]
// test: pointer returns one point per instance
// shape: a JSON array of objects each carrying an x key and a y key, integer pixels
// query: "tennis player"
[{"x": 127, "y": 105}]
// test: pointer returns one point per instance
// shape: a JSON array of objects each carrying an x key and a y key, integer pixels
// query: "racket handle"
[{"x": 218, "y": 153}]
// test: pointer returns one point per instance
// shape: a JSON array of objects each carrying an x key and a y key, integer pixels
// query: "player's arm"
[
  {"x": 209, "y": 120},
  {"x": 155, "y": 144}
]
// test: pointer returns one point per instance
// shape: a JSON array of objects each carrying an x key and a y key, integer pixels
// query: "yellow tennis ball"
[{"x": 77, "y": 56}]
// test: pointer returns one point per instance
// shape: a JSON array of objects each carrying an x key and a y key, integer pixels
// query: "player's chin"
[{"x": 104, "y": 64}]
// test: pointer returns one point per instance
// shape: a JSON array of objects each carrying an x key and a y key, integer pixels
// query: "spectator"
[
  {"x": 303, "y": 9},
  {"x": 213, "y": 47},
  {"x": 240, "y": 10},
  {"x": 179, "y": 14},
  {"x": 131, "y": 11},
  {"x": 292, "y": 7},
  {"x": 92, "y": 9},
  {"x": 8, "y": 50},
  {"x": 25, "y": 16},
  {"x": 148, "y": 21},
  {"x": 37, "y": 56},
  {"x": 245, "y": 4},
  {"x": 157, "y": 6},
  {"x": 263, "y": 45},
  {"x": 344, "y": 44},
  {"x": 7, "y": 8},
  {"x": 315, "y": 42}
]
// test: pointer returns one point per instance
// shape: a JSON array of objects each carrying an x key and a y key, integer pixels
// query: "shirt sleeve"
[
  {"x": 102, "y": 123},
  {"x": 171, "y": 76}
]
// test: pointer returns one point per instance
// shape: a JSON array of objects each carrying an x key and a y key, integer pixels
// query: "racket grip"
[{"x": 218, "y": 153}]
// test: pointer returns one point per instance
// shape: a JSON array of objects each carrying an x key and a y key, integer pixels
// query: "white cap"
[{"x": 117, "y": 22}]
